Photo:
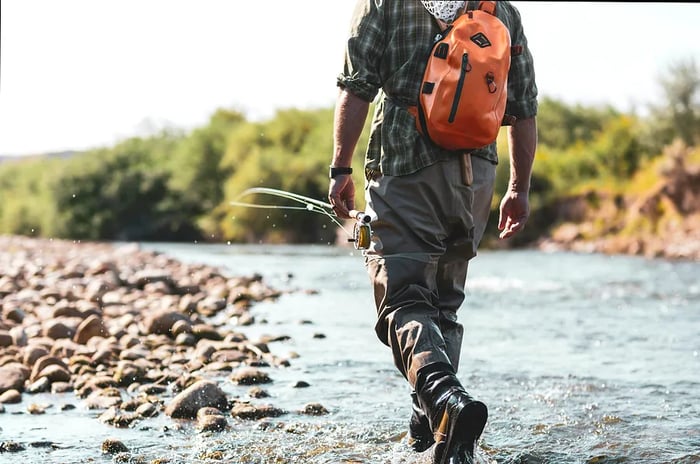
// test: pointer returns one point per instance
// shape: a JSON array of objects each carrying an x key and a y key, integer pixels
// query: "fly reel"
[{"x": 361, "y": 232}]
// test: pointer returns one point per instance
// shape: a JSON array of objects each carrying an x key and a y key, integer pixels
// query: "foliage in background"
[{"x": 178, "y": 186}]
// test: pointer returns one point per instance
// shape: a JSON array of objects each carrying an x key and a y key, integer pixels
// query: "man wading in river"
[{"x": 430, "y": 204}]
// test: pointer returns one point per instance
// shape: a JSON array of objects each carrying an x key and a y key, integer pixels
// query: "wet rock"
[
  {"x": 182, "y": 326},
  {"x": 229, "y": 356},
  {"x": 65, "y": 310},
  {"x": 131, "y": 404},
  {"x": 10, "y": 447},
  {"x": 11, "y": 397},
  {"x": 162, "y": 322},
  {"x": 65, "y": 348},
  {"x": 211, "y": 455},
  {"x": 211, "y": 305},
  {"x": 204, "y": 352},
  {"x": 61, "y": 387},
  {"x": 211, "y": 423},
  {"x": 8, "y": 358},
  {"x": 257, "y": 392},
  {"x": 151, "y": 389},
  {"x": 117, "y": 418},
  {"x": 113, "y": 446},
  {"x": 147, "y": 410},
  {"x": 13, "y": 313},
  {"x": 12, "y": 377},
  {"x": 186, "y": 339},
  {"x": 245, "y": 319},
  {"x": 250, "y": 376},
  {"x": 279, "y": 338},
  {"x": 5, "y": 339},
  {"x": 253, "y": 412},
  {"x": 32, "y": 353},
  {"x": 97, "y": 288},
  {"x": 55, "y": 373},
  {"x": 258, "y": 363},
  {"x": 56, "y": 329},
  {"x": 219, "y": 367},
  {"x": 258, "y": 348},
  {"x": 44, "y": 362},
  {"x": 87, "y": 385},
  {"x": 19, "y": 336},
  {"x": 142, "y": 278},
  {"x": 206, "y": 331},
  {"x": 102, "y": 356},
  {"x": 127, "y": 373},
  {"x": 314, "y": 409},
  {"x": 93, "y": 326},
  {"x": 42, "y": 444},
  {"x": 199, "y": 395},
  {"x": 41, "y": 385},
  {"x": 36, "y": 409},
  {"x": 300, "y": 384},
  {"x": 98, "y": 400},
  {"x": 208, "y": 411},
  {"x": 135, "y": 353}
]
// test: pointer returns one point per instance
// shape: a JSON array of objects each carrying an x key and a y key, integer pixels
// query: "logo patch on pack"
[{"x": 481, "y": 40}]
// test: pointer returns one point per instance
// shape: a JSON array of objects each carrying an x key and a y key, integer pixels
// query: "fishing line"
[{"x": 310, "y": 204}]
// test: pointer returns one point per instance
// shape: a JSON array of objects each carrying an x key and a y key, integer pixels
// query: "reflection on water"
[{"x": 581, "y": 359}]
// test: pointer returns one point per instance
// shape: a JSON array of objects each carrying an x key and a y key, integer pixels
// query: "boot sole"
[{"x": 466, "y": 428}]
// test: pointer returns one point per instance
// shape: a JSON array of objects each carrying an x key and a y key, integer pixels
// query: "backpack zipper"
[{"x": 460, "y": 86}]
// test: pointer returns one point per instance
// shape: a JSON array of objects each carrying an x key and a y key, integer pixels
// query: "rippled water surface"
[{"x": 580, "y": 358}]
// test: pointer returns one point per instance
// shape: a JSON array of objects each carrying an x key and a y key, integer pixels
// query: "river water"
[{"x": 580, "y": 358}]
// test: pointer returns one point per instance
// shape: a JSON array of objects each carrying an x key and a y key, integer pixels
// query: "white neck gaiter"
[{"x": 444, "y": 10}]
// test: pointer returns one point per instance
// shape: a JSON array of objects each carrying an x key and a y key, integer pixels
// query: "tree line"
[{"x": 177, "y": 185}]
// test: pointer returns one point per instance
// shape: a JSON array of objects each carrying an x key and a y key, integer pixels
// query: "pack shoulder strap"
[{"x": 488, "y": 7}]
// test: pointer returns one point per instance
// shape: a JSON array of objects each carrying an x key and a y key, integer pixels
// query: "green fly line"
[{"x": 310, "y": 204}]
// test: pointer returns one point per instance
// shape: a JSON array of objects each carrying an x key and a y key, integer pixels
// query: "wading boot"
[
  {"x": 420, "y": 437},
  {"x": 455, "y": 418}
]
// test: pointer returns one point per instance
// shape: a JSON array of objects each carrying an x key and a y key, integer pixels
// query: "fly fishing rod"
[{"x": 361, "y": 233}]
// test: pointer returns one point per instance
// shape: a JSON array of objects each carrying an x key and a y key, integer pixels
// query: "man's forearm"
[
  {"x": 349, "y": 120},
  {"x": 522, "y": 143}
]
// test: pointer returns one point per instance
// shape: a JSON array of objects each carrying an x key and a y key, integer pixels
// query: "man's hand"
[
  {"x": 341, "y": 194},
  {"x": 515, "y": 205},
  {"x": 515, "y": 209}
]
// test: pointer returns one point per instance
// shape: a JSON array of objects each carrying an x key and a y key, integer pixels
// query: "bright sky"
[{"x": 78, "y": 74}]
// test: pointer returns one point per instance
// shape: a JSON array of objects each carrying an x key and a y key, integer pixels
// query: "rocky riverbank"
[
  {"x": 133, "y": 334},
  {"x": 660, "y": 221}
]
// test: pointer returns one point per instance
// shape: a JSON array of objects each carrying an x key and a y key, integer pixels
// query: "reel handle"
[{"x": 361, "y": 216}]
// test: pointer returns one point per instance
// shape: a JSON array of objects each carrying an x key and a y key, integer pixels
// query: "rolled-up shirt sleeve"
[
  {"x": 361, "y": 70},
  {"x": 522, "y": 88}
]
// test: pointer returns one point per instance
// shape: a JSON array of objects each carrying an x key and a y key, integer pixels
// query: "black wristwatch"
[{"x": 338, "y": 171}]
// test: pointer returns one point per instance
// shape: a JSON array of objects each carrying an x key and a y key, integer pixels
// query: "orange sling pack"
[{"x": 464, "y": 89}]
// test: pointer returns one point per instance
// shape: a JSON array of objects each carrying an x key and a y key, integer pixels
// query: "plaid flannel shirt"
[{"x": 385, "y": 55}]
